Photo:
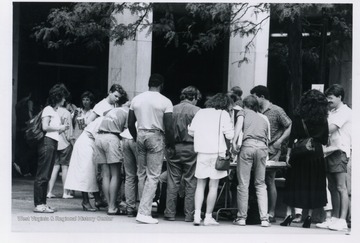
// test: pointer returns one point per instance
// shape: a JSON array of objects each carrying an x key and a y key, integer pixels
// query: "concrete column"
[
  {"x": 248, "y": 75},
  {"x": 130, "y": 63}
]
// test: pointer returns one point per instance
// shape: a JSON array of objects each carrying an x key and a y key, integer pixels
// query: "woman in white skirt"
[
  {"x": 82, "y": 169},
  {"x": 210, "y": 127}
]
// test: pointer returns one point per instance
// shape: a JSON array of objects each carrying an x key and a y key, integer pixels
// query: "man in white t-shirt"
[
  {"x": 337, "y": 155},
  {"x": 153, "y": 113}
]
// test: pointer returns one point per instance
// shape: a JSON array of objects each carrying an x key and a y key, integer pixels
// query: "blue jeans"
[
  {"x": 151, "y": 150},
  {"x": 182, "y": 166},
  {"x": 252, "y": 156},
  {"x": 46, "y": 160},
  {"x": 131, "y": 169}
]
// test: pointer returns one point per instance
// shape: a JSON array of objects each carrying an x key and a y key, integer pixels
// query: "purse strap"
[
  {"x": 305, "y": 128},
  {"x": 219, "y": 135}
]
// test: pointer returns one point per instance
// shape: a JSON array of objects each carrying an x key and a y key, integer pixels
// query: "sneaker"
[
  {"x": 167, "y": 218},
  {"x": 265, "y": 223},
  {"x": 239, "y": 221},
  {"x": 50, "y": 195},
  {"x": 146, "y": 219},
  {"x": 67, "y": 196},
  {"x": 326, "y": 223},
  {"x": 43, "y": 208},
  {"x": 339, "y": 225},
  {"x": 197, "y": 221},
  {"x": 210, "y": 221}
]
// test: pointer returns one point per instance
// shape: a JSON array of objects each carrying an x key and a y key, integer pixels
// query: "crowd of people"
[{"x": 92, "y": 145}]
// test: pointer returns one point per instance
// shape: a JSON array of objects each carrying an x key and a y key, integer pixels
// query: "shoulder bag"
[
  {"x": 303, "y": 147},
  {"x": 222, "y": 163}
]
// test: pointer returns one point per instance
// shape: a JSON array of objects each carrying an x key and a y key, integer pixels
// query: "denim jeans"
[
  {"x": 252, "y": 156},
  {"x": 182, "y": 166},
  {"x": 151, "y": 150},
  {"x": 46, "y": 160},
  {"x": 131, "y": 168}
]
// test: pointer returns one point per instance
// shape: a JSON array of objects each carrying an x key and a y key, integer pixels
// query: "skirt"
[
  {"x": 205, "y": 167},
  {"x": 82, "y": 169}
]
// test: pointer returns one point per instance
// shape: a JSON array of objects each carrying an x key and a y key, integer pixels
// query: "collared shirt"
[
  {"x": 183, "y": 114},
  {"x": 341, "y": 138},
  {"x": 279, "y": 121}
]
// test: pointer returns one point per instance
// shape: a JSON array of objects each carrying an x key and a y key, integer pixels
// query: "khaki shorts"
[
  {"x": 62, "y": 157},
  {"x": 107, "y": 149},
  {"x": 337, "y": 162}
]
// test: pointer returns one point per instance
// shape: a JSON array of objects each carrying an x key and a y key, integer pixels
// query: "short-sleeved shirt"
[
  {"x": 64, "y": 137},
  {"x": 279, "y": 121},
  {"x": 149, "y": 108},
  {"x": 255, "y": 126},
  {"x": 54, "y": 121},
  {"x": 102, "y": 107},
  {"x": 342, "y": 118},
  {"x": 114, "y": 121},
  {"x": 182, "y": 116}
]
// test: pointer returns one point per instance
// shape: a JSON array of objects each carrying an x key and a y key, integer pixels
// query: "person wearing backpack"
[{"x": 47, "y": 147}]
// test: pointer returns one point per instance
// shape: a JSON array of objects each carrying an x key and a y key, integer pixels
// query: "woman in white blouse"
[
  {"x": 51, "y": 125},
  {"x": 211, "y": 127}
]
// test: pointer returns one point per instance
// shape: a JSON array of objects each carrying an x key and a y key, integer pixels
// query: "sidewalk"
[{"x": 71, "y": 219}]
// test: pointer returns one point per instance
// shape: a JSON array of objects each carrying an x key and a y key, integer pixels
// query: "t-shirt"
[
  {"x": 54, "y": 121},
  {"x": 341, "y": 139},
  {"x": 279, "y": 121},
  {"x": 64, "y": 137},
  {"x": 255, "y": 126},
  {"x": 102, "y": 107},
  {"x": 149, "y": 108},
  {"x": 114, "y": 121}
]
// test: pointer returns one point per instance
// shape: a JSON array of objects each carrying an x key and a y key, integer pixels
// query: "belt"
[
  {"x": 152, "y": 130},
  {"x": 106, "y": 132}
]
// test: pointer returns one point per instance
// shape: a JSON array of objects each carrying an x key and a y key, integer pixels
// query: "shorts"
[
  {"x": 62, "y": 157},
  {"x": 107, "y": 149},
  {"x": 336, "y": 162}
]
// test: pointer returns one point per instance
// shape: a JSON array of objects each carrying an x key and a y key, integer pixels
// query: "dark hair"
[
  {"x": 313, "y": 107},
  {"x": 336, "y": 90},
  {"x": 123, "y": 99},
  {"x": 155, "y": 80},
  {"x": 219, "y": 101},
  {"x": 88, "y": 94},
  {"x": 261, "y": 90},
  {"x": 252, "y": 103},
  {"x": 237, "y": 91},
  {"x": 190, "y": 93},
  {"x": 57, "y": 93},
  {"x": 116, "y": 87}
]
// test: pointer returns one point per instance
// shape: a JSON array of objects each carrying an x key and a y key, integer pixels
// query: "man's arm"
[
  {"x": 285, "y": 135},
  {"x": 169, "y": 134},
  {"x": 131, "y": 124},
  {"x": 91, "y": 117},
  {"x": 333, "y": 128}
]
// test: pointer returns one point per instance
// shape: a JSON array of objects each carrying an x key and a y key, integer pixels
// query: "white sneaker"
[
  {"x": 210, "y": 221},
  {"x": 67, "y": 196},
  {"x": 146, "y": 219},
  {"x": 265, "y": 223},
  {"x": 339, "y": 225},
  {"x": 239, "y": 221},
  {"x": 326, "y": 223},
  {"x": 43, "y": 208}
]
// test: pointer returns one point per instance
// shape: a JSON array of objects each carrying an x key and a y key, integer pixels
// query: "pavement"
[{"x": 70, "y": 218}]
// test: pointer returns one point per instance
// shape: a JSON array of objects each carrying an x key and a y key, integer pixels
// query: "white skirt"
[
  {"x": 205, "y": 167},
  {"x": 81, "y": 174}
]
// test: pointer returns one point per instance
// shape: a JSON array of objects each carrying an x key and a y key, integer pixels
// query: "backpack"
[{"x": 34, "y": 132}]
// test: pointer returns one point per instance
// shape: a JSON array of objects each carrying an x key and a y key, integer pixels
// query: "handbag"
[
  {"x": 222, "y": 163},
  {"x": 303, "y": 147},
  {"x": 34, "y": 132}
]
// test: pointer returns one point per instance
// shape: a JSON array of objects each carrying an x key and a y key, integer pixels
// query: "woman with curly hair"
[
  {"x": 210, "y": 127},
  {"x": 52, "y": 127},
  {"x": 305, "y": 185}
]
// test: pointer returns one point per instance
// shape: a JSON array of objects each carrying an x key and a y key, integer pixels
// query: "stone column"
[
  {"x": 130, "y": 63},
  {"x": 248, "y": 75}
]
